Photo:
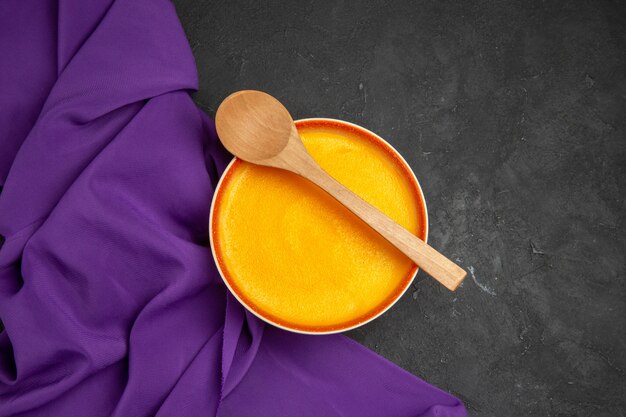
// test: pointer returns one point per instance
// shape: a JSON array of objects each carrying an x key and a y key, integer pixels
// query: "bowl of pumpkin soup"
[{"x": 297, "y": 258}]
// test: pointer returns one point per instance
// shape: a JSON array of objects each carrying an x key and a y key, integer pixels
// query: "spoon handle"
[{"x": 434, "y": 263}]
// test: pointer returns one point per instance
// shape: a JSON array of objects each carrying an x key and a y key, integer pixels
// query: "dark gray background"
[{"x": 512, "y": 115}]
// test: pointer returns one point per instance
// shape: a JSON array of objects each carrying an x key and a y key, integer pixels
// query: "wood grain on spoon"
[{"x": 257, "y": 128}]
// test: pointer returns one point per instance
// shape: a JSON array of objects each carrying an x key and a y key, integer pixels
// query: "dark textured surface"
[{"x": 513, "y": 117}]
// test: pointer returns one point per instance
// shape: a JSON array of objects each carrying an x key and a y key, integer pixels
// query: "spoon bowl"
[{"x": 254, "y": 126}]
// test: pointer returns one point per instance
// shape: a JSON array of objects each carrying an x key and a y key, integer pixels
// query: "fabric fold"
[{"x": 111, "y": 302}]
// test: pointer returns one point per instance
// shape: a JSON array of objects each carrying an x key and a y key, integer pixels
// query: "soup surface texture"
[{"x": 297, "y": 257}]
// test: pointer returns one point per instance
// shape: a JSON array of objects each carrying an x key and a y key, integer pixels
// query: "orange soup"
[{"x": 299, "y": 259}]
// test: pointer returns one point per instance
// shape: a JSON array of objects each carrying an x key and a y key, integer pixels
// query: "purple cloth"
[{"x": 110, "y": 298}]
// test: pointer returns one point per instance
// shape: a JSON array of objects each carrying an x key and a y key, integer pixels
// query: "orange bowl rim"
[{"x": 382, "y": 310}]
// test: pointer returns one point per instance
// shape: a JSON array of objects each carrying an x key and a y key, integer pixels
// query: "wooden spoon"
[{"x": 257, "y": 128}]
